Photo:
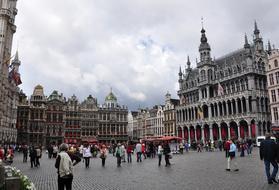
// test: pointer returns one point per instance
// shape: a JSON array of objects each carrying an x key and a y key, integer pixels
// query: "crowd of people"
[{"x": 66, "y": 156}]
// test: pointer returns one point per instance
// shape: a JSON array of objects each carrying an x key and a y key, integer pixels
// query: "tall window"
[
  {"x": 275, "y": 113},
  {"x": 273, "y": 96},
  {"x": 277, "y": 77},
  {"x": 271, "y": 81},
  {"x": 275, "y": 63}
]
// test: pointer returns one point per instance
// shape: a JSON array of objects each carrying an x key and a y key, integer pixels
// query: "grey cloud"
[{"x": 135, "y": 47}]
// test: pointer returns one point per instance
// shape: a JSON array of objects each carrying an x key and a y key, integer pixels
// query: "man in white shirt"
[{"x": 138, "y": 151}]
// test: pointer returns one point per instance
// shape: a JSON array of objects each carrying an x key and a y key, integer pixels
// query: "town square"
[{"x": 139, "y": 94}]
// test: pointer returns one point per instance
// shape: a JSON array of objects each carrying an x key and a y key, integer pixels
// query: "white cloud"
[{"x": 136, "y": 47}]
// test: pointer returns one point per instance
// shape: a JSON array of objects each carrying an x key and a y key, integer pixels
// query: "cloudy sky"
[{"x": 135, "y": 47}]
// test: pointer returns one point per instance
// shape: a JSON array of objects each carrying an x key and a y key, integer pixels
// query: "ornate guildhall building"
[{"x": 226, "y": 97}]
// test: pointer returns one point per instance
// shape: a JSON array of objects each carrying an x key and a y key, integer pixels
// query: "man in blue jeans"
[{"x": 268, "y": 154}]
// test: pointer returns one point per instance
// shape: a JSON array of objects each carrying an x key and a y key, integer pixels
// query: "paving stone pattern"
[{"x": 191, "y": 171}]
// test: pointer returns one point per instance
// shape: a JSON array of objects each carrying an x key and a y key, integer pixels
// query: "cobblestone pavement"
[{"x": 191, "y": 171}]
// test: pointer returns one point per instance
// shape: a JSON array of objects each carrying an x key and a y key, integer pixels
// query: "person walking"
[
  {"x": 138, "y": 151},
  {"x": 50, "y": 151},
  {"x": 123, "y": 158},
  {"x": 55, "y": 151},
  {"x": 118, "y": 154},
  {"x": 232, "y": 157},
  {"x": 38, "y": 155},
  {"x": 103, "y": 154},
  {"x": 64, "y": 167},
  {"x": 129, "y": 152},
  {"x": 143, "y": 151},
  {"x": 25, "y": 152},
  {"x": 32, "y": 155},
  {"x": 167, "y": 153},
  {"x": 160, "y": 153},
  {"x": 268, "y": 150},
  {"x": 87, "y": 155}
]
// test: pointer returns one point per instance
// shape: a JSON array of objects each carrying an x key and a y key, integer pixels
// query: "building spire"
[
  {"x": 246, "y": 44},
  {"x": 180, "y": 71},
  {"x": 268, "y": 47},
  {"x": 188, "y": 62},
  {"x": 256, "y": 30}
]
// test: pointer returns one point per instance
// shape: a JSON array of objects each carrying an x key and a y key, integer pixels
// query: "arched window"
[{"x": 275, "y": 63}]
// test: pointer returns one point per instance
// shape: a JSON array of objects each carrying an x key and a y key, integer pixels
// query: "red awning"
[{"x": 275, "y": 128}]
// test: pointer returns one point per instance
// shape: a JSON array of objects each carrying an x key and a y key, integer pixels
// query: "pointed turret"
[
  {"x": 246, "y": 44},
  {"x": 188, "y": 63},
  {"x": 16, "y": 62},
  {"x": 269, "y": 47},
  {"x": 180, "y": 72},
  {"x": 204, "y": 48},
  {"x": 257, "y": 40},
  {"x": 256, "y": 30}
]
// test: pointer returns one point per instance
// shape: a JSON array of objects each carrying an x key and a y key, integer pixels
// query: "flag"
[
  {"x": 220, "y": 90},
  {"x": 200, "y": 112},
  {"x": 17, "y": 78}
]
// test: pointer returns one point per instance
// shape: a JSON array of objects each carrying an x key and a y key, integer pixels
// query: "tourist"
[
  {"x": 123, "y": 158},
  {"x": 232, "y": 157},
  {"x": 25, "y": 152},
  {"x": 50, "y": 151},
  {"x": 181, "y": 147},
  {"x": 32, "y": 155},
  {"x": 167, "y": 153},
  {"x": 143, "y": 152},
  {"x": 86, "y": 153},
  {"x": 64, "y": 166},
  {"x": 55, "y": 151},
  {"x": 103, "y": 154},
  {"x": 138, "y": 151},
  {"x": 10, "y": 155},
  {"x": 160, "y": 153},
  {"x": 118, "y": 154},
  {"x": 249, "y": 146},
  {"x": 129, "y": 152},
  {"x": 268, "y": 150},
  {"x": 38, "y": 155}
]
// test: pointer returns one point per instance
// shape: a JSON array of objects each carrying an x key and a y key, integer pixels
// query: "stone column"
[
  {"x": 211, "y": 133},
  {"x": 229, "y": 132},
  {"x": 188, "y": 134},
  {"x": 220, "y": 135},
  {"x": 202, "y": 133},
  {"x": 249, "y": 131},
  {"x": 238, "y": 131}
]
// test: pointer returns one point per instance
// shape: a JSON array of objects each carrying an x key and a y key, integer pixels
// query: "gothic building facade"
[
  {"x": 225, "y": 97},
  {"x": 273, "y": 85},
  {"x": 9, "y": 92}
]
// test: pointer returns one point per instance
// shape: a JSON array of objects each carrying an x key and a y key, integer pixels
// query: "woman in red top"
[{"x": 129, "y": 152}]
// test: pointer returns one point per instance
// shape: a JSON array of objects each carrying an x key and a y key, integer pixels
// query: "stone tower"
[{"x": 8, "y": 89}]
